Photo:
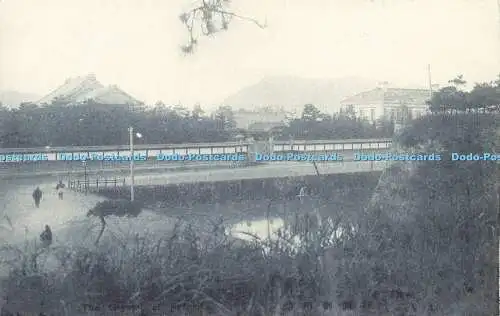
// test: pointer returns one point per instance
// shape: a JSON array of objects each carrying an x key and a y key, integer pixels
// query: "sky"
[{"x": 136, "y": 44}]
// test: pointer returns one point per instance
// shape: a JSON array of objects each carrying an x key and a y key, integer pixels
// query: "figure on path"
[
  {"x": 37, "y": 196},
  {"x": 302, "y": 193},
  {"x": 46, "y": 237},
  {"x": 60, "y": 189}
]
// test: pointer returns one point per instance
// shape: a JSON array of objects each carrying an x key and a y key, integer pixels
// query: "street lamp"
[
  {"x": 84, "y": 163},
  {"x": 131, "y": 136}
]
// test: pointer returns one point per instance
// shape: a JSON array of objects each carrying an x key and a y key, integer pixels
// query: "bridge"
[
  {"x": 152, "y": 150},
  {"x": 56, "y": 161}
]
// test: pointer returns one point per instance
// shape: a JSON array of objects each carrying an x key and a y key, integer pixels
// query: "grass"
[{"x": 308, "y": 269}]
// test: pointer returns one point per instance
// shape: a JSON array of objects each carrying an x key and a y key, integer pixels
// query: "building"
[
  {"x": 383, "y": 102},
  {"x": 271, "y": 116},
  {"x": 85, "y": 88}
]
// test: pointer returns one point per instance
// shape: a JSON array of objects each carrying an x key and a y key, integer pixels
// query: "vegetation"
[
  {"x": 343, "y": 125},
  {"x": 92, "y": 124},
  {"x": 483, "y": 97},
  {"x": 208, "y": 17},
  {"x": 121, "y": 208}
]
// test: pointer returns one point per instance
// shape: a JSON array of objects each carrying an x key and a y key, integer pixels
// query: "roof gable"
[
  {"x": 84, "y": 88},
  {"x": 374, "y": 95},
  {"x": 108, "y": 95},
  {"x": 73, "y": 88}
]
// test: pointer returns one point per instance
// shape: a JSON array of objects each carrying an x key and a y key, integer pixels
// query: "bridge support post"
[{"x": 257, "y": 147}]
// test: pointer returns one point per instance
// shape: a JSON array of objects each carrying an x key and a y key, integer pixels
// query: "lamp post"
[
  {"x": 85, "y": 176},
  {"x": 131, "y": 139}
]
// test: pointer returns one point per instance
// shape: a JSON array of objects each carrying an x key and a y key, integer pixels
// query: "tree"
[
  {"x": 160, "y": 105},
  {"x": 197, "y": 112},
  {"x": 207, "y": 18},
  {"x": 482, "y": 96},
  {"x": 497, "y": 81},
  {"x": 120, "y": 208},
  {"x": 310, "y": 113},
  {"x": 458, "y": 82},
  {"x": 448, "y": 98},
  {"x": 181, "y": 110},
  {"x": 224, "y": 116},
  {"x": 348, "y": 112},
  {"x": 93, "y": 124}
]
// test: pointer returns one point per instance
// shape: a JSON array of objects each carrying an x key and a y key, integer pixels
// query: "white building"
[{"x": 395, "y": 104}]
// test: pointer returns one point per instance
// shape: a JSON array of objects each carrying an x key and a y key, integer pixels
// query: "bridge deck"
[
  {"x": 270, "y": 170},
  {"x": 67, "y": 168}
]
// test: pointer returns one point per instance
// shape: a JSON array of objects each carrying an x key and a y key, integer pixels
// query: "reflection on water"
[{"x": 261, "y": 228}]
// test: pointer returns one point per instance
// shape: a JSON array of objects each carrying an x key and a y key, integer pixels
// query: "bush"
[{"x": 184, "y": 271}]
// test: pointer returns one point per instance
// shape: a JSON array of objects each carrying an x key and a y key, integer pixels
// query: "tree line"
[
  {"x": 93, "y": 124},
  {"x": 484, "y": 96}
]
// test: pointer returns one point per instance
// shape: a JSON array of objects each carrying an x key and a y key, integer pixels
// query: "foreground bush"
[
  {"x": 311, "y": 268},
  {"x": 182, "y": 271}
]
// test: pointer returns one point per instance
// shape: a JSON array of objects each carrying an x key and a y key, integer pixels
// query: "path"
[
  {"x": 67, "y": 218},
  {"x": 271, "y": 170}
]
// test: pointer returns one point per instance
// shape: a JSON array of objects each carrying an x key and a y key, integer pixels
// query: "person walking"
[
  {"x": 37, "y": 196},
  {"x": 46, "y": 237},
  {"x": 60, "y": 189}
]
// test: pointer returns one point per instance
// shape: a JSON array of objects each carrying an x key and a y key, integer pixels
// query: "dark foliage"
[
  {"x": 484, "y": 96},
  {"x": 433, "y": 232},
  {"x": 92, "y": 124},
  {"x": 326, "y": 188},
  {"x": 120, "y": 208},
  {"x": 343, "y": 125}
]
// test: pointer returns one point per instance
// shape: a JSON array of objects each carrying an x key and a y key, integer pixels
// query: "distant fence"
[{"x": 95, "y": 185}]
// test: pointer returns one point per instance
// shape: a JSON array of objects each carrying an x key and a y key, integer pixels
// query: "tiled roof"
[
  {"x": 390, "y": 95},
  {"x": 108, "y": 95},
  {"x": 406, "y": 96},
  {"x": 374, "y": 95},
  {"x": 83, "y": 88}
]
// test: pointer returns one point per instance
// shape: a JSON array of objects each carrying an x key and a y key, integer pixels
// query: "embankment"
[{"x": 345, "y": 191}]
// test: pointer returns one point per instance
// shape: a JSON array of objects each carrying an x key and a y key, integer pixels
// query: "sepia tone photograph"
[{"x": 249, "y": 157}]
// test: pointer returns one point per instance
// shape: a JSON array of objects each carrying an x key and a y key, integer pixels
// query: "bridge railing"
[
  {"x": 93, "y": 185},
  {"x": 152, "y": 150}
]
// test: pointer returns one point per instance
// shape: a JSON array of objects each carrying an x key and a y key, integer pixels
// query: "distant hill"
[
  {"x": 292, "y": 93},
  {"x": 12, "y": 99}
]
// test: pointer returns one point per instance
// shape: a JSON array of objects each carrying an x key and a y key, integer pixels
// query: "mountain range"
[{"x": 292, "y": 93}]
